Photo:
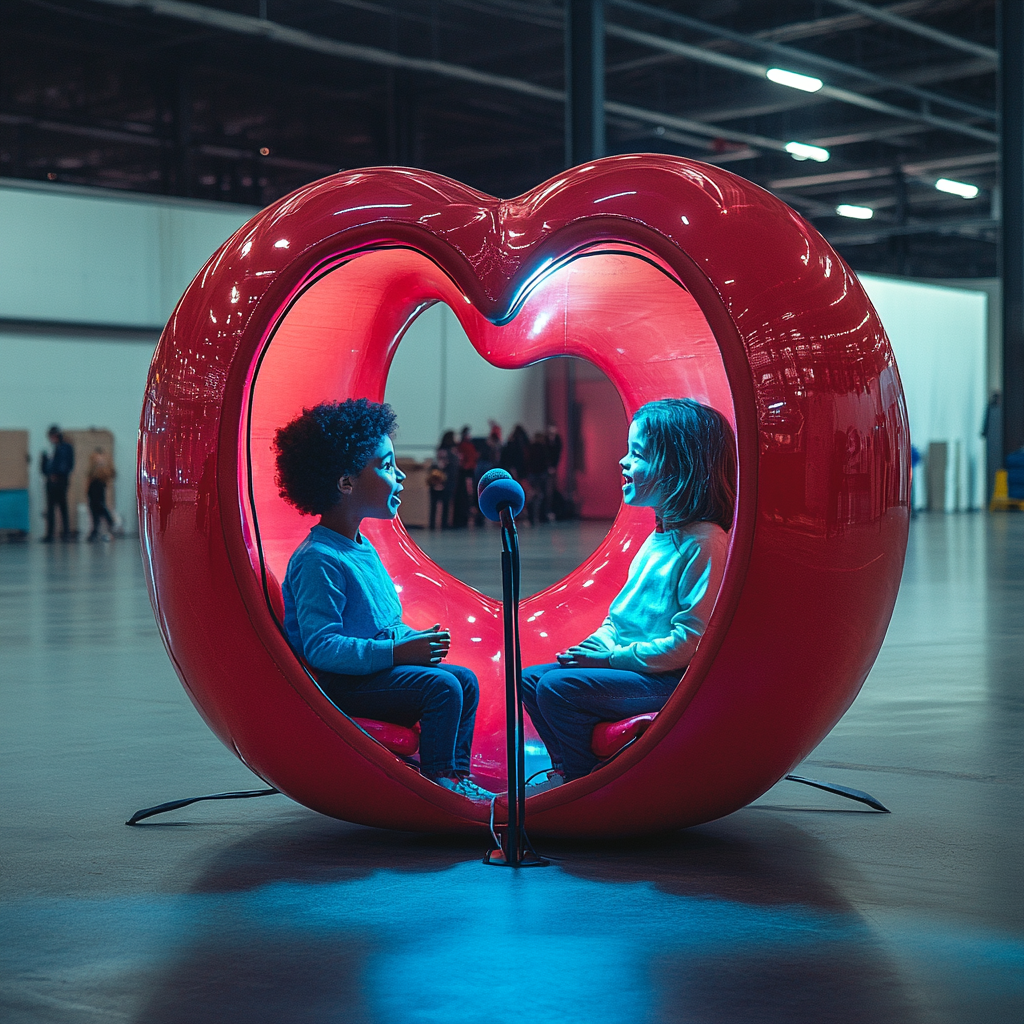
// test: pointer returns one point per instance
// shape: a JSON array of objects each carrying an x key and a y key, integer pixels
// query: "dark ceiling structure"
[{"x": 246, "y": 100}]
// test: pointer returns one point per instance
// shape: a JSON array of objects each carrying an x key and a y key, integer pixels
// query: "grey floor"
[{"x": 800, "y": 908}]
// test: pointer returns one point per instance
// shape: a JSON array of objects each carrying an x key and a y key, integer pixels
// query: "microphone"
[{"x": 498, "y": 491}]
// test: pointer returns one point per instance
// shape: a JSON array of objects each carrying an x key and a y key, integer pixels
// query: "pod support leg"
[{"x": 844, "y": 791}]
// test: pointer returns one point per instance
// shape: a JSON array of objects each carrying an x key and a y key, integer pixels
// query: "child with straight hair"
[
  {"x": 342, "y": 614},
  {"x": 681, "y": 461}
]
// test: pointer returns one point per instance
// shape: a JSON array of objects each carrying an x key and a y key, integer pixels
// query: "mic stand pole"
[{"x": 514, "y": 849}]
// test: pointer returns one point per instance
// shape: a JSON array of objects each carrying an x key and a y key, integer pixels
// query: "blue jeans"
[
  {"x": 442, "y": 699},
  {"x": 566, "y": 703}
]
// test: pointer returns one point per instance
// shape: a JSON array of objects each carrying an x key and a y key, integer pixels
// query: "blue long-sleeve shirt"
[{"x": 341, "y": 612}]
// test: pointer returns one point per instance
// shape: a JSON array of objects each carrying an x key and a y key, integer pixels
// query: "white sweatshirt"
[{"x": 654, "y": 623}]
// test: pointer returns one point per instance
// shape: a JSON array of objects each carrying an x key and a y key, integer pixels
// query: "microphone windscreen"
[
  {"x": 489, "y": 477},
  {"x": 501, "y": 492}
]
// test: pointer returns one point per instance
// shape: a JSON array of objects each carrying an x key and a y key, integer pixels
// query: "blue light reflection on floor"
[{"x": 437, "y": 946}]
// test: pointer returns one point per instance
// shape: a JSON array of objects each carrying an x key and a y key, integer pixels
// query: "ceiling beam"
[
  {"x": 924, "y": 75},
  {"x": 976, "y": 227},
  {"x": 802, "y": 58},
  {"x": 275, "y": 32},
  {"x": 157, "y": 142},
  {"x": 915, "y": 169},
  {"x": 746, "y": 67},
  {"x": 880, "y": 14},
  {"x": 835, "y": 24},
  {"x": 283, "y": 34}
]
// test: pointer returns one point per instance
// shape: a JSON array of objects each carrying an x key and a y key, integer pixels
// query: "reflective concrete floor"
[{"x": 800, "y": 908}]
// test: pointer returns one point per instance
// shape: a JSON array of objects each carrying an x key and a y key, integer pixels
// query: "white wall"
[
  {"x": 85, "y": 256},
  {"x": 439, "y": 382},
  {"x": 939, "y": 336},
  {"x": 993, "y": 288},
  {"x": 100, "y": 263},
  {"x": 108, "y": 268},
  {"x": 77, "y": 384}
]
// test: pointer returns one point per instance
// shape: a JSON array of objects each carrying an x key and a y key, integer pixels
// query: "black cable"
[{"x": 173, "y": 805}]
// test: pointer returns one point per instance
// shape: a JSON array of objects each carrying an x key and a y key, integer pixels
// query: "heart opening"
[
  {"x": 558, "y": 426},
  {"x": 614, "y": 305}
]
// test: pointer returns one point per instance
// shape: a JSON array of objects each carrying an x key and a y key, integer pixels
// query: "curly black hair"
[{"x": 325, "y": 443}]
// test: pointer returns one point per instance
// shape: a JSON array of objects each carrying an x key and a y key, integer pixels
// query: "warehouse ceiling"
[{"x": 245, "y": 100}]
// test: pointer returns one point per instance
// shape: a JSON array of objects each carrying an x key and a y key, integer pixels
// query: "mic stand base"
[{"x": 528, "y": 859}]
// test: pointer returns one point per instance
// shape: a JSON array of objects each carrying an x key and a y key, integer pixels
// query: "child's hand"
[
  {"x": 427, "y": 647},
  {"x": 583, "y": 657}
]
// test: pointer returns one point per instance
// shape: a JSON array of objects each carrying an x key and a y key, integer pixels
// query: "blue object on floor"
[{"x": 14, "y": 510}]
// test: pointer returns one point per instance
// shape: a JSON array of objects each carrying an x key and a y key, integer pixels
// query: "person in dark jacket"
[
  {"x": 513, "y": 455},
  {"x": 56, "y": 467}
]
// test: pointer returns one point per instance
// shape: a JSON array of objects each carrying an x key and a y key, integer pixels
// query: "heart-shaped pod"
[{"x": 674, "y": 278}]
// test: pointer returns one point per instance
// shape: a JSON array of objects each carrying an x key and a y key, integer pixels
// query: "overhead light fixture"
[
  {"x": 805, "y": 83},
  {"x": 801, "y": 151},
  {"x": 856, "y": 212},
  {"x": 957, "y": 188}
]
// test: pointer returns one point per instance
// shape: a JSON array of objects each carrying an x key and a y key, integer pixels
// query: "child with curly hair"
[{"x": 342, "y": 613}]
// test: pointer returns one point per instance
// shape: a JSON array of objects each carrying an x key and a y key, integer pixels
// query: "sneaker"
[
  {"x": 550, "y": 780},
  {"x": 466, "y": 788}
]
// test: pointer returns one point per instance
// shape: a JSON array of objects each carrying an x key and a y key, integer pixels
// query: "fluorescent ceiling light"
[
  {"x": 856, "y": 212},
  {"x": 957, "y": 188},
  {"x": 801, "y": 151},
  {"x": 805, "y": 83}
]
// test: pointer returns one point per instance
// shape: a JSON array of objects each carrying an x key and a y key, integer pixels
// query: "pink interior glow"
[{"x": 642, "y": 329}]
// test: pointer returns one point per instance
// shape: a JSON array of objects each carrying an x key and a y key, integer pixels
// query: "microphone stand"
[{"x": 513, "y": 849}]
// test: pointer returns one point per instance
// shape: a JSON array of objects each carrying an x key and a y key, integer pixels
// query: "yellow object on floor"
[{"x": 1001, "y": 500}]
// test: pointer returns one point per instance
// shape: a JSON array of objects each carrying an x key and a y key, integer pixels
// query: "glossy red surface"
[
  {"x": 674, "y": 278},
  {"x": 610, "y": 737},
  {"x": 397, "y": 738}
]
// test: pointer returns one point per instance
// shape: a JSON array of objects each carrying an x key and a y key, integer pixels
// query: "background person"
[
  {"x": 443, "y": 479},
  {"x": 553, "y": 442},
  {"x": 101, "y": 472},
  {"x": 56, "y": 467},
  {"x": 465, "y": 494},
  {"x": 536, "y": 478}
]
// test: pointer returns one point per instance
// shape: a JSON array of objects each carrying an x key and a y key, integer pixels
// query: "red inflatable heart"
[{"x": 674, "y": 278}]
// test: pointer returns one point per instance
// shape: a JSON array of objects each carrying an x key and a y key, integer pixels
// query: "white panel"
[
  {"x": 478, "y": 392},
  {"x": 939, "y": 338},
  {"x": 89, "y": 259},
  {"x": 75, "y": 383},
  {"x": 414, "y": 387},
  {"x": 439, "y": 382}
]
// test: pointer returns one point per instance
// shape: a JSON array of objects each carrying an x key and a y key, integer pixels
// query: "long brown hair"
[{"x": 692, "y": 452}]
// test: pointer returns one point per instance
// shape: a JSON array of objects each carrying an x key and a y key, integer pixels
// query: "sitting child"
[
  {"x": 682, "y": 463},
  {"x": 342, "y": 614}
]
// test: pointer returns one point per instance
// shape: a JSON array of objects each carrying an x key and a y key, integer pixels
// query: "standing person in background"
[
  {"x": 56, "y": 467},
  {"x": 992, "y": 431},
  {"x": 536, "y": 477},
  {"x": 101, "y": 472},
  {"x": 443, "y": 479},
  {"x": 513, "y": 455},
  {"x": 554, "y": 457},
  {"x": 465, "y": 494},
  {"x": 488, "y": 457},
  {"x": 494, "y": 444}
]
